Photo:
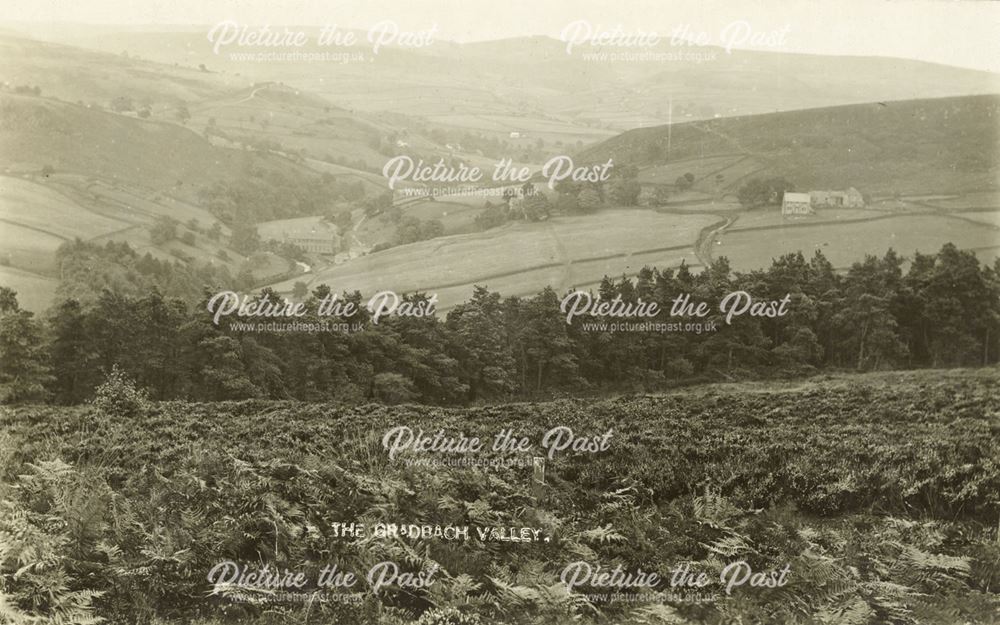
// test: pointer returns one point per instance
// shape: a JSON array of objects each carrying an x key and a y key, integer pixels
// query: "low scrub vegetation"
[{"x": 878, "y": 491}]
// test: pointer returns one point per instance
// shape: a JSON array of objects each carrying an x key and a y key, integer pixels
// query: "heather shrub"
[{"x": 120, "y": 396}]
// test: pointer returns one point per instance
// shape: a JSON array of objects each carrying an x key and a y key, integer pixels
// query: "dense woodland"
[{"x": 941, "y": 311}]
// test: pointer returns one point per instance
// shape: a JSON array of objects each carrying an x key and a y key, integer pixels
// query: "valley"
[
  {"x": 499, "y": 314},
  {"x": 204, "y": 154}
]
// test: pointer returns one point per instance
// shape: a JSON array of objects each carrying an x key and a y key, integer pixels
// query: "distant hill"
[
  {"x": 299, "y": 122},
  {"x": 71, "y": 171},
  {"x": 36, "y": 131},
  {"x": 246, "y": 105},
  {"x": 95, "y": 77},
  {"x": 917, "y": 146},
  {"x": 531, "y": 84}
]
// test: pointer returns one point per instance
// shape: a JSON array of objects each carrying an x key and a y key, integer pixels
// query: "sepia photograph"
[{"x": 441, "y": 312}]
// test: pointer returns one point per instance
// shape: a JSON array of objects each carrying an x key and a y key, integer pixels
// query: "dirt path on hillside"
[
  {"x": 706, "y": 239},
  {"x": 562, "y": 258}
]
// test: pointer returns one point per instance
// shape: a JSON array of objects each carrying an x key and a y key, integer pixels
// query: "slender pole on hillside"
[{"x": 670, "y": 123}]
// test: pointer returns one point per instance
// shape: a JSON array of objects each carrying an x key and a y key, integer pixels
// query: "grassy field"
[
  {"x": 523, "y": 258},
  {"x": 35, "y": 292},
  {"x": 576, "y": 252},
  {"x": 34, "y": 221},
  {"x": 967, "y": 201},
  {"x": 373, "y": 183},
  {"x": 139, "y": 205},
  {"x": 40, "y": 213},
  {"x": 668, "y": 173},
  {"x": 29, "y": 249},
  {"x": 274, "y": 229},
  {"x": 991, "y": 218},
  {"x": 531, "y": 128},
  {"x": 34, "y": 205},
  {"x": 844, "y": 244},
  {"x": 294, "y": 120},
  {"x": 458, "y": 214},
  {"x": 114, "y": 177},
  {"x": 772, "y": 218},
  {"x": 152, "y": 156}
]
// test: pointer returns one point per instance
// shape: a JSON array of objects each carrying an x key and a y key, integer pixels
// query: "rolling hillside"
[
  {"x": 70, "y": 171},
  {"x": 928, "y": 167},
  {"x": 235, "y": 103},
  {"x": 565, "y": 97},
  {"x": 94, "y": 77},
  {"x": 151, "y": 154},
  {"x": 923, "y": 146},
  {"x": 123, "y": 172},
  {"x": 523, "y": 258},
  {"x": 102, "y": 147}
]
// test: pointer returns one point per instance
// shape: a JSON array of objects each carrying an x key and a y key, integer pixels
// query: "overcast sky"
[{"x": 961, "y": 32}]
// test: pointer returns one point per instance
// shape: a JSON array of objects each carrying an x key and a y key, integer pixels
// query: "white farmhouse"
[{"x": 796, "y": 204}]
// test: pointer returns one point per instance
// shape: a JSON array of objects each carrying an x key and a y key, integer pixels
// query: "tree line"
[{"x": 943, "y": 310}]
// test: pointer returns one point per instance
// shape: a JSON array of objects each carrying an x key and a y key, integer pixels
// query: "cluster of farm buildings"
[
  {"x": 319, "y": 237},
  {"x": 807, "y": 203}
]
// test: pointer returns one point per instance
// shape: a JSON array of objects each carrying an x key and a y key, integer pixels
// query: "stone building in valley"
[{"x": 796, "y": 204}]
